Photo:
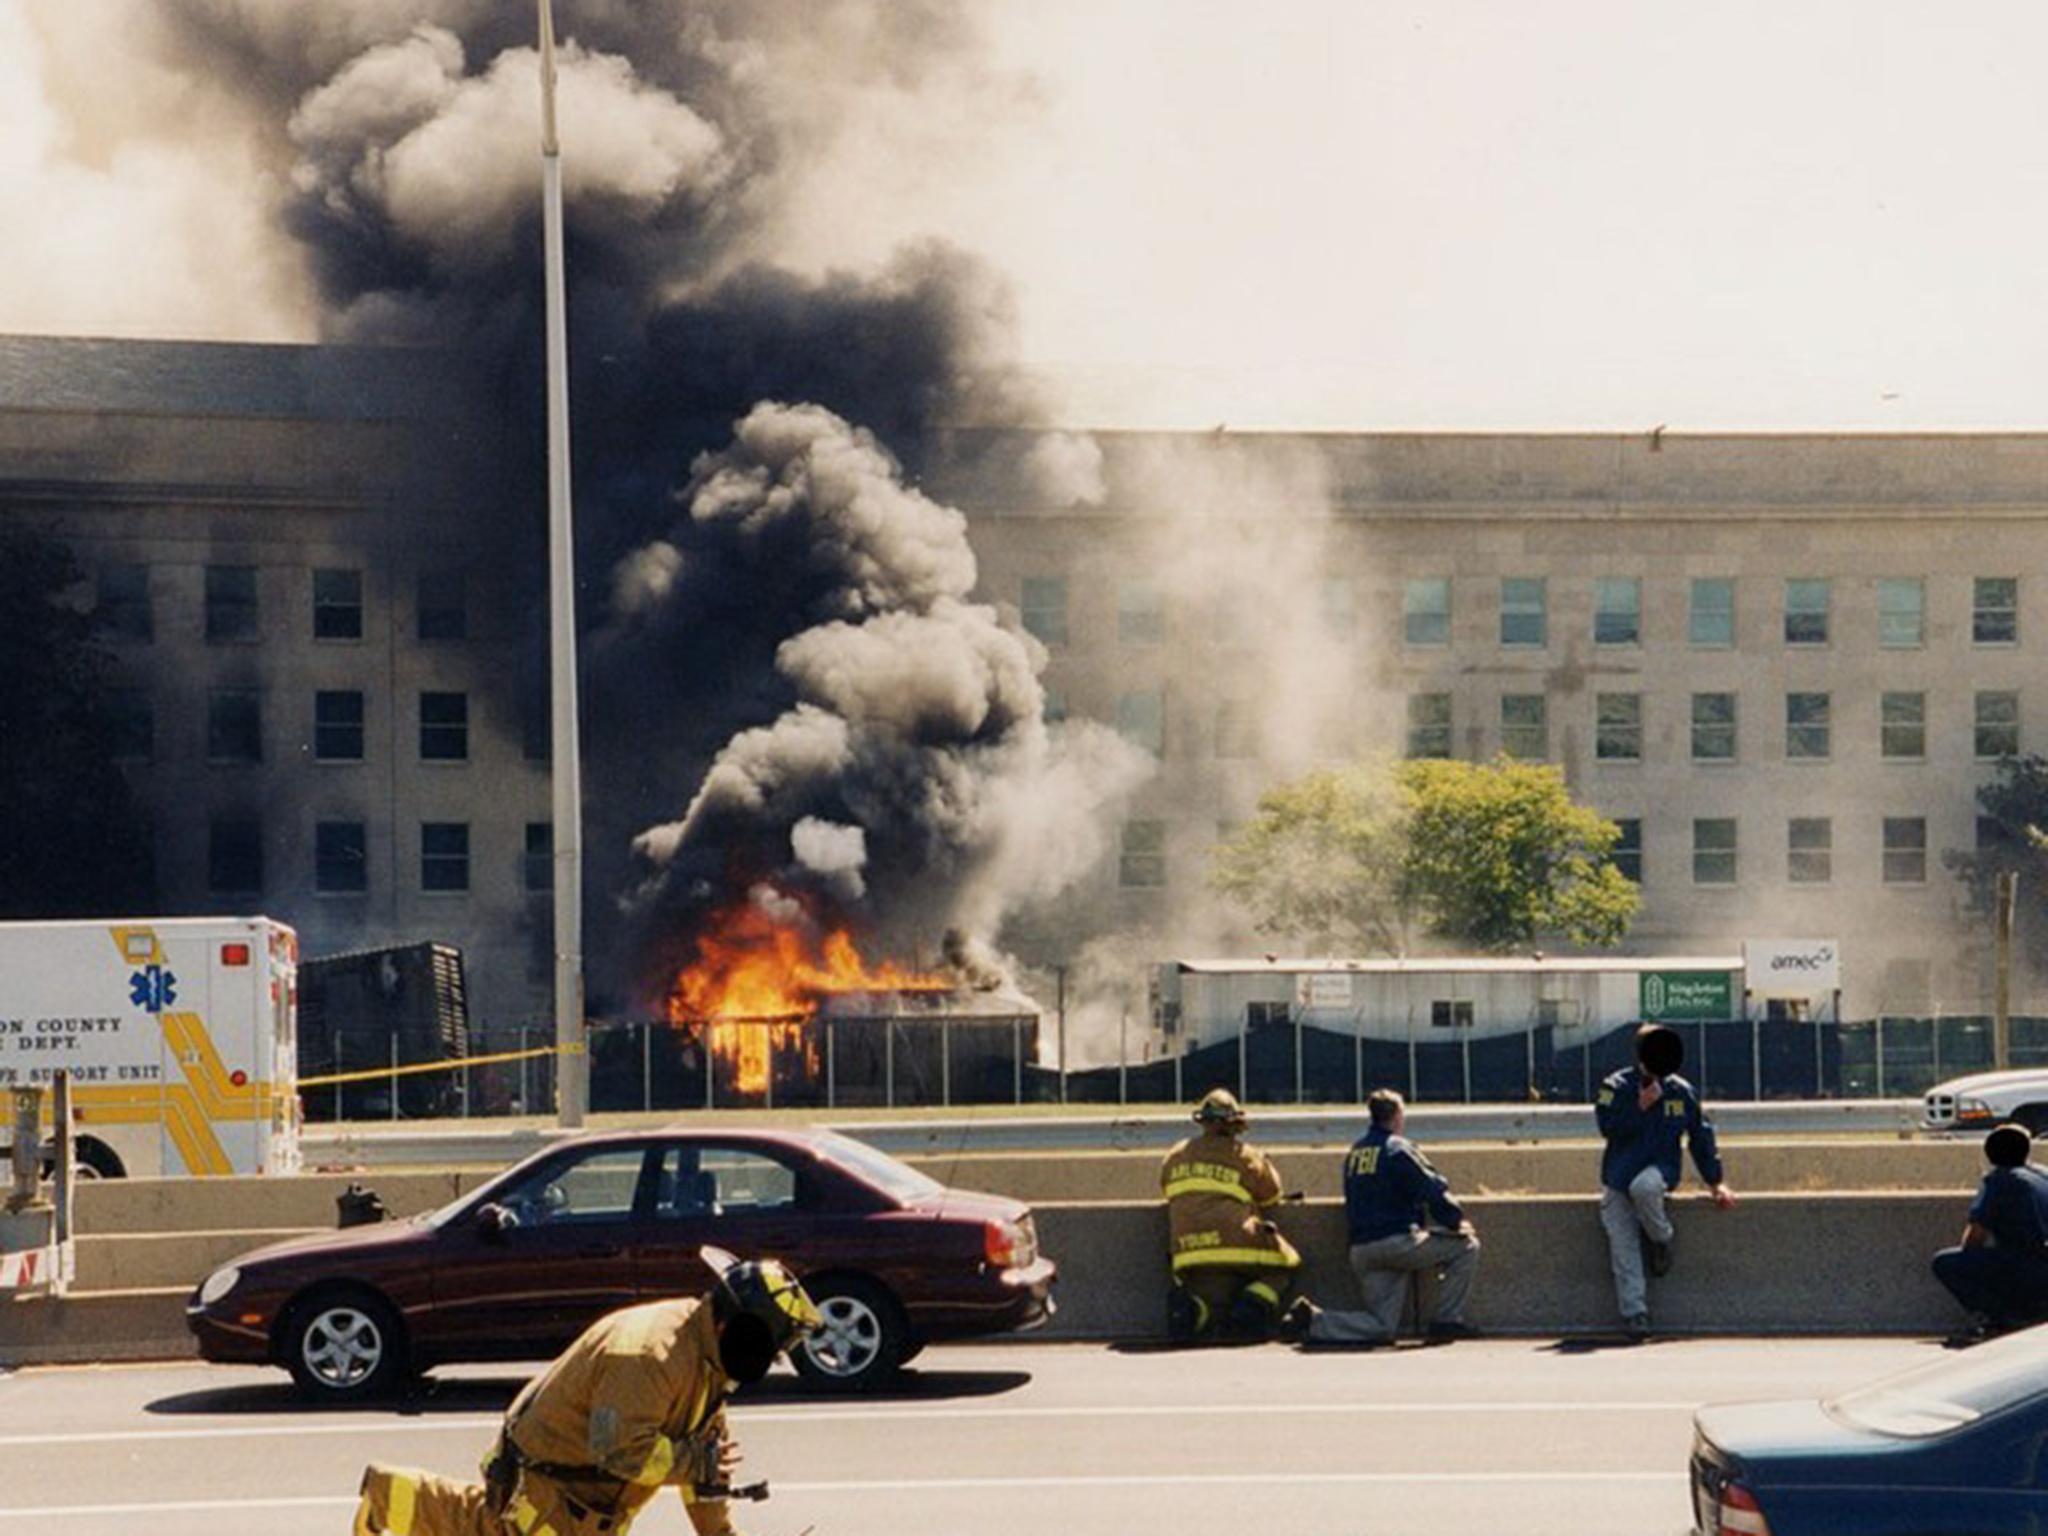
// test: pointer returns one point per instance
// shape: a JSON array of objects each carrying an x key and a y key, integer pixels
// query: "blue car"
[{"x": 1956, "y": 1447}]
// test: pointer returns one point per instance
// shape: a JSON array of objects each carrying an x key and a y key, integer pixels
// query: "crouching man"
[
  {"x": 1232, "y": 1269},
  {"x": 1401, "y": 1219},
  {"x": 2000, "y": 1272},
  {"x": 635, "y": 1405}
]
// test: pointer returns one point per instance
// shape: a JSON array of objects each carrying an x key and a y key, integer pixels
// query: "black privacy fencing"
[{"x": 925, "y": 1063}]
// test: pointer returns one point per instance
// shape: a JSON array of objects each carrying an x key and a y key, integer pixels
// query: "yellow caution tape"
[{"x": 414, "y": 1068}]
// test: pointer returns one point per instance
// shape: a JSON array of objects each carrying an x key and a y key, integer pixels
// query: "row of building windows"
[
  {"x": 1809, "y": 850},
  {"x": 341, "y": 857},
  {"x": 1902, "y": 726},
  {"x": 1618, "y": 718},
  {"x": 234, "y": 725},
  {"x": 127, "y": 610},
  {"x": 1806, "y": 611}
]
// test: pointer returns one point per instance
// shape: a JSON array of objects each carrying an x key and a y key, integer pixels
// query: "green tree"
[
  {"x": 72, "y": 841},
  {"x": 2012, "y": 838},
  {"x": 1321, "y": 862},
  {"x": 1487, "y": 856},
  {"x": 1499, "y": 854}
]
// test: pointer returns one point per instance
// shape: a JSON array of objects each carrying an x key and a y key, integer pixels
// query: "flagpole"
[{"x": 572, "y": 1061}]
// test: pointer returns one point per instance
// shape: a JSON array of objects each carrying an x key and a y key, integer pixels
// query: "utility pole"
[
  {"x": 1060, "y": 971},
  {"x": 2001, "y": 1005},
  {"x": 572, "y": 1063}
]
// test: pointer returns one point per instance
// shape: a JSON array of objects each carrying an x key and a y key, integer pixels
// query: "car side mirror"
[{"x": 494, "y": 1221}]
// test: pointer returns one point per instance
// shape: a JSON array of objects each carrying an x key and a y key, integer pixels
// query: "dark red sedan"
[{"x": 517, "y": 1268}]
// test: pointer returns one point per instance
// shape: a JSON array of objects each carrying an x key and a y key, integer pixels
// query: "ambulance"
[{"x": 180, "y": 1036}]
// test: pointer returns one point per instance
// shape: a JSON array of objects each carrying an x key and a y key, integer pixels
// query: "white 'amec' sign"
[{"x": 1791, "y": 967}]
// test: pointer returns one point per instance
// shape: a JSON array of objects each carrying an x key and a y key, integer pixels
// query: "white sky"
[{"x": 1356, "y": 213}]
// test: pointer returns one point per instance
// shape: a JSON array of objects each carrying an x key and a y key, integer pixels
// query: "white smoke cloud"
[
  {"x": 448, "y": 158},
  {"x": 643, "y": 580},
  {"x": 1064, "y": 469},
  {"x": 833, "y": 852}
]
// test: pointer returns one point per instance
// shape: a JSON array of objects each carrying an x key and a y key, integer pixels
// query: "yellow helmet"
[{"x": 1219, "y": 1106}]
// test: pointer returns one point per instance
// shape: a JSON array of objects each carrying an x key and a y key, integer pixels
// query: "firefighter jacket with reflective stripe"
[
  {"x": 1389, "y": 1187},
  {"x": 1640, "y": 1138},
  {"x": 1216, "y": 1188},
  {"x": 635, "y": 1404},
  {"x": 2012, "y": 1205}
]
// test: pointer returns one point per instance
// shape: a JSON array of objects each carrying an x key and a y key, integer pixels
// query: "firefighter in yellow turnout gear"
[
  {"x": 1231, "y": 1267},
  {"x": 635, "y": 1405}
]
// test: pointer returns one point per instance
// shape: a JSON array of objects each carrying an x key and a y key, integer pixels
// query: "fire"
[{"x": 758, "y": 980}]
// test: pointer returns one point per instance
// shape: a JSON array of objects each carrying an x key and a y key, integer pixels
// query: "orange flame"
[{"x": 757, "y": 983}]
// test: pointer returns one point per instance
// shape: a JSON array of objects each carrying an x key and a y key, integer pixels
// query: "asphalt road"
[{"x": 991, "y": 1440}]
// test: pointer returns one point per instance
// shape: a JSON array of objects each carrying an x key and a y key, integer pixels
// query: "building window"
[
  {"x": 1710, "y": 619},
  {"x": 1237, "y": 729},
  {"x": 1522, "y": 612},
  {"x": 1713, "y": 727},
  {"x": 1995, "y": 611},
  {"x": 1627, "y": 853},
  {"x": 1810, "y": 850},
  {"x": 234, "y": 726},
  {"x": 1524, "y": 726},
  {"x": 231, "y": 602},
  {"x": 444, "y": 855},
  {"x": 122, "y": 605},
  {"x": 1905, "y": 850},
  {"x": 234, "y": 857},
  {"x": 1045, "y": 608},
  {"x": 1807, "y": 724},
  {"x": 1806, "y": 612},
  {"x": 131, "y": 724},
  {"x": 1263, "y": 1013},
  {"x": 337, "y": 605},
  {"x": 1450, "y": 1013},
  {"x": 1618, "y": 727},
  {"x": 1339, "y": 606},
  {"x": 1998, "y": 724},
  {"x": 1140, "y": 613},
  {"x": 1143, "y": 862},
  {"x": 540, "y": 856},
  {"x": 341, "y": 858},
  {"x": 1141, "y": 719},
  {"x": 1713, "y": 850},
  {"x": 1426, "y": 611},
  {"x": 1902, "y": 725},
  {"x": 1054, "y": 708},
  {"x": 1617, "y": 611},
  {"x": 443, "y": 608},
  {"x": 1429, "y": 725},
  {"x": 1901, "y": 613},
  {"x": 444, "y": 727},
  {"x": 338, "y": 727}
]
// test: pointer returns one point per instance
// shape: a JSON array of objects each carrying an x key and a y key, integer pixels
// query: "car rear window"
[
  {"x": 878, "y": 1168},
  {"x": 1950, "y": 1393}
]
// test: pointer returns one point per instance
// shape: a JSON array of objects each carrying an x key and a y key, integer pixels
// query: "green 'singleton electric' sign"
[{"x": 1681, "y": 995}]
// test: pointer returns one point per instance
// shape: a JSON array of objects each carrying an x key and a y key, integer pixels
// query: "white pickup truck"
[{"x": 1979, "y": 1102}]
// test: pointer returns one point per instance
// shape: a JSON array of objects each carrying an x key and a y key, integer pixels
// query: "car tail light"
[{"x": 1740, "y": 1514}]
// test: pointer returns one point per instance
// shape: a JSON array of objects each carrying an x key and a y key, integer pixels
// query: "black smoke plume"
[{"x": 788, "y": 685}]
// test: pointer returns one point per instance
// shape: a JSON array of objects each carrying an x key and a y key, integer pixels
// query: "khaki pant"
[
  {"x": 398, "y": 1501},
  {"x": 1383, "y": 1267},
  {"x": 1629, "y": 1218}
]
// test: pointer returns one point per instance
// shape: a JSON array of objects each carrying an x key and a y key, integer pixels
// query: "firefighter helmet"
[
  {"x": 763, "y": 1289},
  {"x": 1219, "y": 1106}
]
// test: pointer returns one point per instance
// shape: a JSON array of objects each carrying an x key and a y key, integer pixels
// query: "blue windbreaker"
[
  {"x": 2012, "y": 1205},
  {"x": 1389, "y": 1186},
  {"x": 1636, "y": 1140}
]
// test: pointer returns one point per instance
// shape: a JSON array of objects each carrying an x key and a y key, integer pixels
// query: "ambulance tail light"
[{"x": 1740, "y": 1514}]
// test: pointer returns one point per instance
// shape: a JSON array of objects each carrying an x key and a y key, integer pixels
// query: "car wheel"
[
  {"x": 345, "y": 1347},
  {"x": 862, "y": 1341}
]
